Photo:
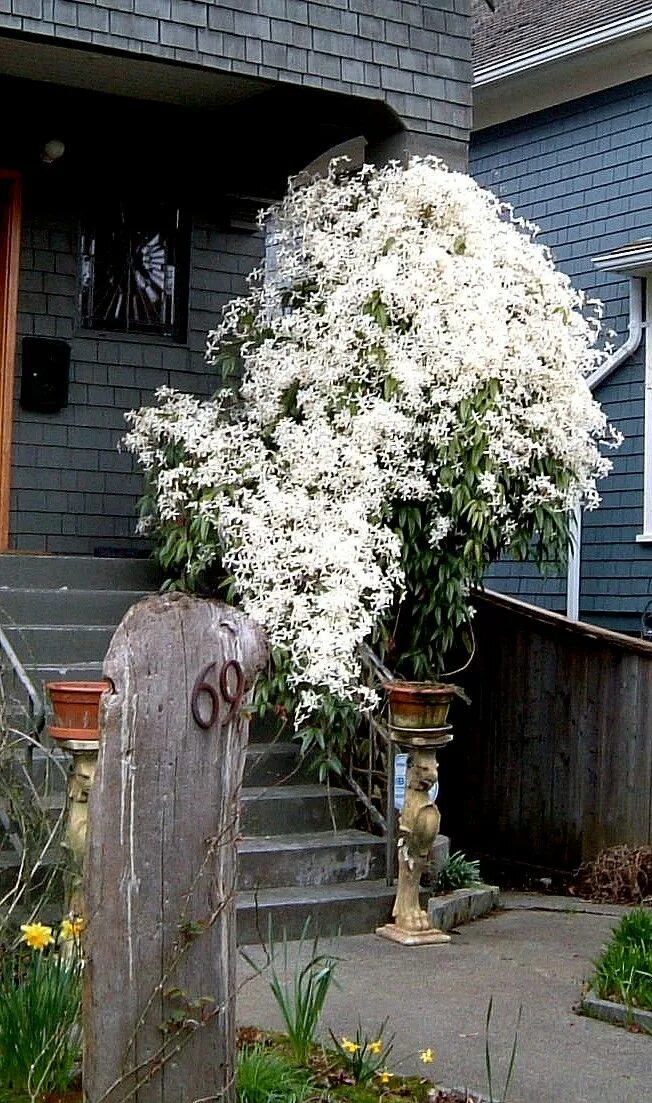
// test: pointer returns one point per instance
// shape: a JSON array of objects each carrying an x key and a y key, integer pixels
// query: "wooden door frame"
[{"x": 10, "y": 218}]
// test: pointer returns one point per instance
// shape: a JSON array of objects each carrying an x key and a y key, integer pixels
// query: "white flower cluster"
[{"x": 398, "y": 296}]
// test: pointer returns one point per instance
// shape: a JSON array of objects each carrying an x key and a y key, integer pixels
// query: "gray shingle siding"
[
  {"x": 583, "y": 173},
  {"x": 72, "y": 491},
  {"x": 395, "y": 42}
]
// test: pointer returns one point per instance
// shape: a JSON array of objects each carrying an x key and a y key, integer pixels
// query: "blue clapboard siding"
[{"x": 583, "y": 173}]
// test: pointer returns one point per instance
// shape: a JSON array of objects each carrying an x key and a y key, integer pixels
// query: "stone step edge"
[
  {"x": 280, "y": 792},
  {"x": 276, "y": 746},
  {"x": 12, "y": 629},
  {"x": 447, "y": 908},
  {"x": 315, "y": 894},
  {"x": 255, "y": 844},
  {"x": 72, "y": 591}
]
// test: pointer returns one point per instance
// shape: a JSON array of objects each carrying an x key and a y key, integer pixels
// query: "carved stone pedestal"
[
  {"x": 418, "y": 828},
  {"x": 82, "y": 772}
]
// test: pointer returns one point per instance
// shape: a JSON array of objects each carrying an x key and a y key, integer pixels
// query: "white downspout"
[{"x": 611, "y": 363}]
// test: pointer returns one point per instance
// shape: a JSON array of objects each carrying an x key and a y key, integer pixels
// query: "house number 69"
[{"x": 231, "y": 682}]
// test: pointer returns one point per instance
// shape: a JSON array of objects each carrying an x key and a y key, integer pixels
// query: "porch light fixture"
[{"x": 52, "y": 151}]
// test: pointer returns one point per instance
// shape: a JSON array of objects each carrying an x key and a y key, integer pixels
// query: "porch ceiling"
[{"x": 124, "y": 74}]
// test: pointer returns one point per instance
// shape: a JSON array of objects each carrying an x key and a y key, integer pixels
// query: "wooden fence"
[{"x": 553, "y": 759}]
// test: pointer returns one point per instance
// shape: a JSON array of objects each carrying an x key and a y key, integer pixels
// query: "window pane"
[{"x": 130, "y": 271}]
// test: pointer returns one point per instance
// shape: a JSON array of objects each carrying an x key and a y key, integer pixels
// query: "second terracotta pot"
[
  {"x": 76, "y": 707},
  {"x": 414, "y": 705}
]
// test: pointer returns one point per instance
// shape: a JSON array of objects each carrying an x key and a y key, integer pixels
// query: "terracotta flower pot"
[
  {"x": 76, "y": 708},
  {"x": 414, "y": 706}
]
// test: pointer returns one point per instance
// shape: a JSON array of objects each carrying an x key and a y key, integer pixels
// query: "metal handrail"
[
  {"x": 37, "y": 707},
  {"x": 379, "y": 673}
]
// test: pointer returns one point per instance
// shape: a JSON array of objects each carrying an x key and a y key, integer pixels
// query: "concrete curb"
[
  {"x": 462, "y": 905},
  {"x": 618, "y": 1014}
]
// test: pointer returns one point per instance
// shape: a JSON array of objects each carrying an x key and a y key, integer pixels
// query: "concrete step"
[
  {"x": 70, "y": 671},
  {"x": 355, "y": 908},
  {"x": 47, "y": 644},
  {"x": 273, "y": 764},
  {"x": 324, "y": 858},
  {"x": 273, "y": 812},
  {"x": 65, "y": 606},
  {"x": 50, "y": 572},
  {"x": 295, "y": 808},
  {"x": 261, "y": 768}
]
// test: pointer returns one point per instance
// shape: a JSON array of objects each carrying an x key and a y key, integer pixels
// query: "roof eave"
[
  {"x": 587, "y": 40},
  {"x": 633, "y": 259},
  {"x": 550, "y": 76}
]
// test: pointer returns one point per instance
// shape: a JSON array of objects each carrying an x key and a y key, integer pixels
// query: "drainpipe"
[{"x": 603, "y": 372}]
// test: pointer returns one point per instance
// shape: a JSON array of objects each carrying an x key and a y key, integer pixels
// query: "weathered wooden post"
[{"x": 159, "y": 987}]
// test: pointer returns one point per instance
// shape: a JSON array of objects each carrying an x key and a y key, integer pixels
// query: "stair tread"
[
  {"x": 282, "y": 792},
  {"x": 341, "y": 890},
  {"x": 81, "y": 571},
  {"x": 66, "y": 628},
  {"x": 74, "y": 591},
  {"x": 273, "y": 748},
  {"x": 74, "y": 664},
  {"x": 318, "y": 839}
]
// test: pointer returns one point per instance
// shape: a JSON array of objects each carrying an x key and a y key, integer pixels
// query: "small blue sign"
[
  {"x": 400, "y": 780},
  {"x": 400, "y": 772}
]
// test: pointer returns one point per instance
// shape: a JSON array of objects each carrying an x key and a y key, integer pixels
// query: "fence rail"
[{"x": 553, "y": 760}]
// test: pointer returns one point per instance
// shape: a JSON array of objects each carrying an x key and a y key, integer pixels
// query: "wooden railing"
[{"x": 553, "y": 759}]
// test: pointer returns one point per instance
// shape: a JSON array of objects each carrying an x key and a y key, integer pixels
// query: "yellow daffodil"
[
  {"x": 384, "y": 1076},
  {"x": 71, "y": 927},
  {"x": 349, "y": 1047},
  {"x": 36, "y": 935},
  {"x": 427, "y": 1056},
  {"x": 375, "y": 1047}
]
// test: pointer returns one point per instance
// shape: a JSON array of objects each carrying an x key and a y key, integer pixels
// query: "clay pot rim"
[
  {"x": 75, "y": 687},
  {"x": 421, "y": 689},
  {"x": 81, "y": 735}
]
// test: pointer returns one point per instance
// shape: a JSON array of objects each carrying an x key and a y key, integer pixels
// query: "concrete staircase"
[{"x": 300, "y": 854}]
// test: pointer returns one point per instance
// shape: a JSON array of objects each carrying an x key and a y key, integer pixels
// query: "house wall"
[
  {"x": 403, "y": 74},
  {"x": 72, "y": 490},
  {"x": 583, "y": 173},
  {"x": 415, "y": 56}
]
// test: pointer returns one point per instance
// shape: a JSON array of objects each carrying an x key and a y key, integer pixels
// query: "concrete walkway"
[{"x": 535, "y": 953}]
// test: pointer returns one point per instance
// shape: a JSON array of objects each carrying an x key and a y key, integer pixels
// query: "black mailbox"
[{"x": 45, "y": 373}]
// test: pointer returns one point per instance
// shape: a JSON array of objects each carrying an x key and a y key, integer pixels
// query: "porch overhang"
[
  {"x": 124, "y": 73},
  {"x": 221, "y": 130}
]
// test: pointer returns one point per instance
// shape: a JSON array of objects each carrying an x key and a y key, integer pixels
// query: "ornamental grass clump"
[
  {"x": 623, "y": 972},
  {"x": 458, "y": 872},
  {"x": 262, "y": 1076},
  {"x": 411, "y": 404},
  {"x": 40, "y": 1009},
  {"x": 300, "y": 990}
]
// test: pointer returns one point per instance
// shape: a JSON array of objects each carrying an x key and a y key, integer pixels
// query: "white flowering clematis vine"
[{"x": 412, "y": 404}]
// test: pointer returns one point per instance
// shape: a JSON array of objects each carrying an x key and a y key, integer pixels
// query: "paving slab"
[{"x": 536, "y": 954}]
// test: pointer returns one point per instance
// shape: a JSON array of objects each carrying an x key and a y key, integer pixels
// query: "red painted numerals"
[{"x": 231, "y": 682}]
